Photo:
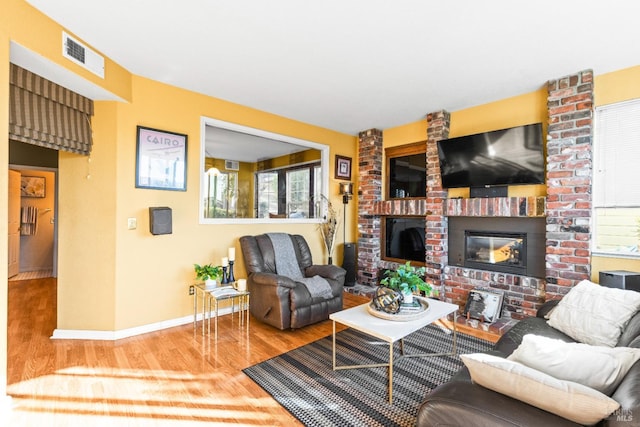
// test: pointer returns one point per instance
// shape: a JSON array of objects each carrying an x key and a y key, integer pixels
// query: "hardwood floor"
[{"x": 166, "y": 378}]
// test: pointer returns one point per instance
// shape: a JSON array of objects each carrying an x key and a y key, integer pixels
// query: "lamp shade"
[{"x": 346, "y": 188}]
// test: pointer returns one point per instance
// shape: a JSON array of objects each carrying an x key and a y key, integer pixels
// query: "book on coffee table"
[{"x": 414, "y": 306}]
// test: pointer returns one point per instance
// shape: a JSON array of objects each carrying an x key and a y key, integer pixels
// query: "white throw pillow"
[
  {"x": 567, "y": 399},
  {"x": 595, "y": 314},
  {"x": 598, "y": 367}
]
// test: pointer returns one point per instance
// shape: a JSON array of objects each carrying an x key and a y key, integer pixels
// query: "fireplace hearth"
[{"x": 505, "y": 245}]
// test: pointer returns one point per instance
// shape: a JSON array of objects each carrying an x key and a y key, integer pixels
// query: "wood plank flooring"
[
  {"x": 174, "y": 377},
  {"x": 166, "y": 378}
]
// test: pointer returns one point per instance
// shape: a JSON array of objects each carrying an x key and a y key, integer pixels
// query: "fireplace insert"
[
  {"x": 501, "y": 244},
  {"x": 505, "y": 251}
]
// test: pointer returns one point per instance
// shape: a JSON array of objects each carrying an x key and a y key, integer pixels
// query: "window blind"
[
  {"x": 617, "y": 155},
  {"x": 48, "y": 115}
]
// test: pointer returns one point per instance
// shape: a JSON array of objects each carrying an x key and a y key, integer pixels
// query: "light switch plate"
[{"x": 132, "y": 223}]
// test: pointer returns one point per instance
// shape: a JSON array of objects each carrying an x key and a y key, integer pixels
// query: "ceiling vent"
[
  {"x": 232, "y": 165},
  {"x": 80, "y": 54}
]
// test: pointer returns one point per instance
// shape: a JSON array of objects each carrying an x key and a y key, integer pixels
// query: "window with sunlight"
[
  {"x": 616, "y": 187},
  {"x": 288, "y": 192},
  {"x": 222, "y": 197}
]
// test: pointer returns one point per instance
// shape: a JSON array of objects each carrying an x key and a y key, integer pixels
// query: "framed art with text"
[
  {"x": 343, "y": 167},
  {"x": 161, "y": 159}
]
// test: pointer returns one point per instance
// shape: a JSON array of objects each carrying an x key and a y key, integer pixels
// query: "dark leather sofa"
[
  {"x": 280, "y": 301},
  {"x": 460, "y": 402}
]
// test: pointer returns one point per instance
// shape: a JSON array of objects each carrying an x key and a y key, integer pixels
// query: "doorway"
[
  {"x": 36, "y": 247},
  {"x": 32, "y": 222}
]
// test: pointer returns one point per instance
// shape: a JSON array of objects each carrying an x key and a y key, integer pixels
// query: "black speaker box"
[
  {"x": 349, "y": 264},
  {"x": 489, "y": 191},
  {"x": 160, "y": 220}
]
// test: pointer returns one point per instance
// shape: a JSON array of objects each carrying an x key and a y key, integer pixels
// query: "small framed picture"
[
  {"x": 343, "y": 167},
  {"x": 32, "y": 186},
  {"x": 161, "y": 159},
  {"x": 483, "y": 305}
]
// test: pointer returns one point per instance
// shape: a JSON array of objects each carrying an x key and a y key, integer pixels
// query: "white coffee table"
[{"x": 391, "y": 331}]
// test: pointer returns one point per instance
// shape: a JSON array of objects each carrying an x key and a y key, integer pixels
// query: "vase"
[
  {"x": 407, "y": 297},
  {"x": 330, "y": 260},
  {"x": 210, "y": 283}
]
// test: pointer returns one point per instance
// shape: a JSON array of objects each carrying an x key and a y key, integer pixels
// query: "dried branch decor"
[{"x": 329, "y": 228}]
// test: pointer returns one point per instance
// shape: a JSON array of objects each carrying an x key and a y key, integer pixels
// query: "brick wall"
[
  {"x": 369, "y": 192},
  {"x": 567, "y": 206},
  {"x": 522, "y": 295},
  {"x": 569, "y": 180},
  {"x": 436, "y": 227}
]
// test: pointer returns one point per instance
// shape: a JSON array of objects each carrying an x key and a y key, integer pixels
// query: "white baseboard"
[{"x": 82, "y": 334}]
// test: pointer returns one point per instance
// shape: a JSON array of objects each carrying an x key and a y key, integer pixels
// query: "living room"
[{"x": 114, "y": 282}]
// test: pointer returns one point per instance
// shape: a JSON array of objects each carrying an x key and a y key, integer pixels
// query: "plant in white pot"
[
  {"x": 406, "y": 279},
  {"x": 208, "y": 273}
]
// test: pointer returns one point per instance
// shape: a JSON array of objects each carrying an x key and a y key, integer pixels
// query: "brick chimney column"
[
  {"x": 569, "y": 181},
  {"x": 370, "y": 192},
  {"x": 436, "y": 235}
]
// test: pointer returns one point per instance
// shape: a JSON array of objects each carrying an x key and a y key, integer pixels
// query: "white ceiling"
[{"x": 351, "y": 65}]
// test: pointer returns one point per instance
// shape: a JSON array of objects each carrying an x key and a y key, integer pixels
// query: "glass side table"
[{"x": 211, "y": 298}]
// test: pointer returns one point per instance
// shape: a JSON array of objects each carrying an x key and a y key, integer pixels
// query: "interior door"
[{"x": 14, "y": 223}]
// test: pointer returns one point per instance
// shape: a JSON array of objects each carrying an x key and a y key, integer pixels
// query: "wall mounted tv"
[{"x": 502, "y": 157}]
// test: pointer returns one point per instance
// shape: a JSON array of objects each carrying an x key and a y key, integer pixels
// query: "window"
[
  {"x": 223, "y": 195},
  {"x": 267, "y": 194},
  {"x": 288, "y": 192},
  {"x": 616, "y": 188}
]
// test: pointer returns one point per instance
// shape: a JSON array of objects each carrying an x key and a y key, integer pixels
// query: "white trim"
[
  {"x": 81, "y": 334},
  {"x": 603, "y": 254}
]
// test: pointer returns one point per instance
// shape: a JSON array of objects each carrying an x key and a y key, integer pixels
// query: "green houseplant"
[
  {"x": 406, "y": 279},
  {"x": 207, "y": 272}
]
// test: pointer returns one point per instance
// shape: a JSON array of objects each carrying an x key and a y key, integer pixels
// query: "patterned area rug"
[{"x": 304, "y": 382}]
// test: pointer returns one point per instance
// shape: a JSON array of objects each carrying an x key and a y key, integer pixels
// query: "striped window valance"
[{"x": 46, "y": 114}]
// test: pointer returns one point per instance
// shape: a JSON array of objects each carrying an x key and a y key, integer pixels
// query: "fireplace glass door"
[{"x": 504, "y": 251}]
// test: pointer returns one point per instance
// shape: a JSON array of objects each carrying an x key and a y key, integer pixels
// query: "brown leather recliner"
[{"x": 279, "y": 300}]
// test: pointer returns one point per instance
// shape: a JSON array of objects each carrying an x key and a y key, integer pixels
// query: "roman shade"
[{"x": 48, "y": 115}]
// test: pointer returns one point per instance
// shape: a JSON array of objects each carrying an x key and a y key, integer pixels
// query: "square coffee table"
[{"x": 390, "y": 331}]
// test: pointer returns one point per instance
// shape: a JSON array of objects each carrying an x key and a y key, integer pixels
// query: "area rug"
[{"x": 303, "y": 380}]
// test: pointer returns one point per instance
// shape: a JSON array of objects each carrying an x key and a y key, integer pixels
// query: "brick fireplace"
[{"x": 566, "y": 209}]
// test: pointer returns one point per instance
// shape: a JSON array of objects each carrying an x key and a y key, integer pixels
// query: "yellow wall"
[
  {"x": 147, "y": 277},
  {"x": 4, "y": 196}
]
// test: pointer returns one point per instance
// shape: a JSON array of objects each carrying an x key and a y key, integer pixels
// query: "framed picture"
[
  {"x": 343, "y": 167},
  {"x": 161, "y": 159},
  {"x": 483, "y": 305},
  {"x": 32, "y": 186}
]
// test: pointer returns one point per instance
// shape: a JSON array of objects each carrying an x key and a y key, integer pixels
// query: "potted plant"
[
  {"x": 208, "y": 273},
  {"x": 406, "y": 279}
]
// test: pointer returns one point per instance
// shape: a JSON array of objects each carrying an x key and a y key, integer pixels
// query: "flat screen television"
[{"x": 510, "y": 156}]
